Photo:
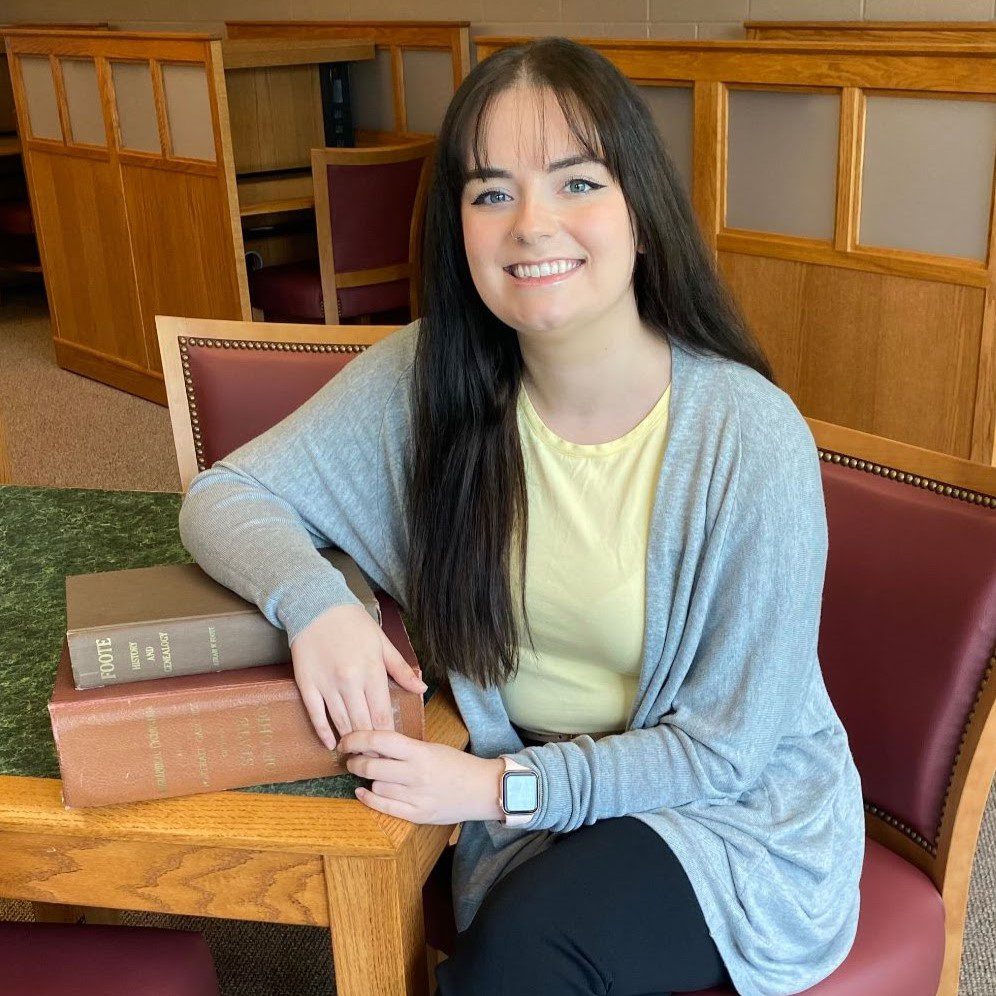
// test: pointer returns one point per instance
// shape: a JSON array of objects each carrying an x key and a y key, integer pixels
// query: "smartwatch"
[{"x": 519, "y": 797}]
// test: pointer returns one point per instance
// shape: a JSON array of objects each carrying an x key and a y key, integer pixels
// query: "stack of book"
[{"x": 171, "y": 684}]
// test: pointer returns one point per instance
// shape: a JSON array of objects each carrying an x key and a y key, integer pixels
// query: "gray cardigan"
[{"x": 733, "y": 753}]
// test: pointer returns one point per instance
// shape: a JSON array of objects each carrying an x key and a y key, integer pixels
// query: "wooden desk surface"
[
  {"x": 10, "y": 145},
  {"x": 249, "y": 53}
]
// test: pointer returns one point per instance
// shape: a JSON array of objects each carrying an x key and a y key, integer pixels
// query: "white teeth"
[{"x": 523, "y": 270}]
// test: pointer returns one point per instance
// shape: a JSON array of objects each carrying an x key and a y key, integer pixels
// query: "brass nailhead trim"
[
  {"x": 960, "y": 494},
  {"x": 185, "y": 343}
]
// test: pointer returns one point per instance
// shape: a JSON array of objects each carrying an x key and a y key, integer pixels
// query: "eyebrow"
[{"x": 490, "y": 173}]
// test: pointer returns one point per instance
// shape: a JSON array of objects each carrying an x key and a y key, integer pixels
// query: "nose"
[{"x": 533, "y": 220}]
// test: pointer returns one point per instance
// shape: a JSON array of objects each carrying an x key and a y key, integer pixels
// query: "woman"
[{"x": 577, "y": 475}]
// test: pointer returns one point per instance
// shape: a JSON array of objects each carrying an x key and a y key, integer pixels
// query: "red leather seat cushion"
[
  {"x": 899, "y": 947},
  {"x": 290, "y": 290},
  {"x": 67, "y": 959},
  {"x": 898, "y": 950},
  {"x": 15, "y": 218}
]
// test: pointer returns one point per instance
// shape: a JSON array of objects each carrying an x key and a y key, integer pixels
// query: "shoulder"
[
  {"x": 384, "y": 363},
  {"x": 770, "y": 430}
]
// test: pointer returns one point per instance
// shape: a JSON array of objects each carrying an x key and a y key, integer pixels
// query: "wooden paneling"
[
  {"x": 86, "y": 255},
  {"x": 264, "y": 135},
  {"x": 915, "y": 32},
  {"x": 452, "y": 37},
  {"x": 184, "y": 260},
  {"x": 863, "y": 350}
]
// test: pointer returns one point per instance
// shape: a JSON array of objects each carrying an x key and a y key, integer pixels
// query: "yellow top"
[{"x": 589, "y": 517}]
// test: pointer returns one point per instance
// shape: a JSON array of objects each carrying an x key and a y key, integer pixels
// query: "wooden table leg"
[{"x": 378, "y": 934}]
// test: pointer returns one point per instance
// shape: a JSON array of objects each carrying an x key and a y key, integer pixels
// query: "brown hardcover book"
[
  {"x": 201, "y": 733},
  {"x": 172, "y": 620}
]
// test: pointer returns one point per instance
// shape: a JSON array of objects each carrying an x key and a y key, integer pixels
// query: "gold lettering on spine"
[
  {"x": 264, "y": 723},
  {"x": 105, "y": 659},
  {"x": 167, "y": 655},
  {"x": 203, "y": 772},
  {"x": 158, "y": 763},
  {"x": 134, "y": 658},
  {"x": 213, "y": 642}
]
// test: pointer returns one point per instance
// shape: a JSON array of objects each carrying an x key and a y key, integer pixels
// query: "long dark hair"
[{"x": 466, "y": 504}]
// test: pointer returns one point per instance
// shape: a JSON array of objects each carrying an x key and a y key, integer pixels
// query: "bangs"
[{"x": 467, "y": 148}]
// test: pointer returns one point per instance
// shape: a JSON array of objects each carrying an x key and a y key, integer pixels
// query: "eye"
[
  {"x": 484, "y": 198},
  {"x": 577, "y": 184}
]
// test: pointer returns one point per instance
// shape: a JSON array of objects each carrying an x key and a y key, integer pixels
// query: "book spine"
[
  {"x": 174, "y": 647},
  {"x": 157, "y": 746}
]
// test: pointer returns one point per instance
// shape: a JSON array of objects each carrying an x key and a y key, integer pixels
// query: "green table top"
[{"x": 46, "y": 534}]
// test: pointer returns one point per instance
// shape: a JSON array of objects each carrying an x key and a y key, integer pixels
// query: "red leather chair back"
[
  {"x": 371, "y": 207},
  {"x": 240, "y": 390},
  {"x": 907, "y": 633}
]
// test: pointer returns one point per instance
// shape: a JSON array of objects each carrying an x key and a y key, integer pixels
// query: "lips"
[{"x": 546, "y": 268}]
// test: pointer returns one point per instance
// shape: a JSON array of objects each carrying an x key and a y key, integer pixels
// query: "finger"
[
  {"x": 399, "y": 669},
  {"x": 392, "y": 807},
  {"x": 387, "y": 743},
  {"x": 391, "y": 790},
  {"x": 379, "y": 704},
  {"x": 337, "y": 711},
  {"x": 356, "y": 705},
  {"x": 386, "y": 769},
  {"x": 315, "y": 705}
]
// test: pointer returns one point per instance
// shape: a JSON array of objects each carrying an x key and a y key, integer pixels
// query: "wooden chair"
[
  {"x": 369, "y": 206},
  {"x": 907, "y": 640}
]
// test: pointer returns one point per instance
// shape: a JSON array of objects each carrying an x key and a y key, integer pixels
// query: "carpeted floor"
[{"x": 67, "y": 431}]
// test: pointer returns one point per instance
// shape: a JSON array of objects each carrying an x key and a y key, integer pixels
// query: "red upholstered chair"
[
  {"x": 368, "y": 212},
  {"x": 907, "y": 641},
  {"x": 69, "y": 959}
]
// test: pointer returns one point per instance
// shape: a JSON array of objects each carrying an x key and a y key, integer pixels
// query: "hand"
[
  {"x": 423, "y": 782},
  {"x": 341, "y": 663}
]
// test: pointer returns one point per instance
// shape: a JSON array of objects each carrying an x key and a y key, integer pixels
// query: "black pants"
[{"x": 607, "y": 909}]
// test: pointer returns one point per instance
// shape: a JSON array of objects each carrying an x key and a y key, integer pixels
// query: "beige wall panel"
[
  {"x": 185, "y": 259},
  {"x": 371, "y": 93},
  {"x": 782, "y": 162},
  {"x": 39, "y": 90},
  {"x": 136, "y": 106},
  {"x": 264, "y": 135},
  {"x": 188, "y": 110},
  {"x": 428, "y": 89},
  {"x": 887, "y": 355},
  {"x": 86, "y": 117},
  {"x": 84, "y": 238},
  {"x": 672, "y": 108}
]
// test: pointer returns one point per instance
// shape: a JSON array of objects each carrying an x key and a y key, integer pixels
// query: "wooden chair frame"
[
  {"x": 418, "y": 147},
  {"x": 947, "y": 859}
]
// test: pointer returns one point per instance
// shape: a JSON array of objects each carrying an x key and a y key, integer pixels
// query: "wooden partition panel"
[
  {"x": 139, "y": 215},
  {"x": 908, "y": 32},
  {"x": 395, "y": 41},
  {"x": 897, "y": 342}
]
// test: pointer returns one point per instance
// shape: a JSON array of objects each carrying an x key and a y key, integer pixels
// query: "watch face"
[{"x": 520, "y": 792}]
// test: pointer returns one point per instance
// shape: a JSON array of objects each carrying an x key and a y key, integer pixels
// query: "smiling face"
[{"x": 547, "y": 231}]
